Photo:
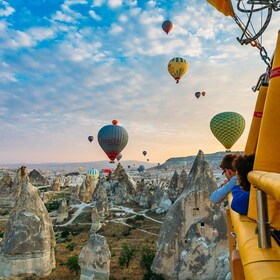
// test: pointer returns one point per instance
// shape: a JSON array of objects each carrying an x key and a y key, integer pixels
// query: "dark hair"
[
  {"x": 227, "y": 162},
  {"x": 243, "y": 165}
]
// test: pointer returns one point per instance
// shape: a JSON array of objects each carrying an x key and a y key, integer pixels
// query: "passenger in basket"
[
  {"x": 226, "y": 187},
  {"x": 241, "y": 192}
]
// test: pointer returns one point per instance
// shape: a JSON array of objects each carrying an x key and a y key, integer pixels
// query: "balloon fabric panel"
[{"x": 227, "y": 127}]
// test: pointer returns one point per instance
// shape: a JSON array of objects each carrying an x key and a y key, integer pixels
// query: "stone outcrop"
[
  {"x": 55, "y": 186},
  {"x": 100, "y": 200},
  {"x": 95, "y": 219},
  {"x": 123, "y": 187},
  {"x": 62, "y": 212},
  {"x": 192, "y": 242},
  {"x": 36, "y": 179},
  {"x": 8, "y": 194},
  {"x": 6, "y": 184},
  {"x": 87, "y": 189},
  {"x": 94, "y": 259},
  {"x": 28, "y": 242},
  {"x": 176, "y": 185}
]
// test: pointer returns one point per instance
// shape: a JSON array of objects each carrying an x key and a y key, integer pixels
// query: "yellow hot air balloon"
[
  {"x": 227, "y": 127},
  {"x": 223, "y": 6},
  {"x": 177, "y": 67}
]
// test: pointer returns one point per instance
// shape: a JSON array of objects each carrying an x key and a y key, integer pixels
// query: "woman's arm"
[{"x": 220, "y": 194}]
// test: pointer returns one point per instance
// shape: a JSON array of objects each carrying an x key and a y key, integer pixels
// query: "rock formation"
[
  {"x": 95, "y": 256},
  {"x": 95, "y": 219},
  {"x": 6, "y": 184},
  {"x": 176, "y": 185},
  {"x": 56, "y": 184},
  {"x": 94, "y": 259},
  {"x": 62, "y": 212},
  {"x": 123, "y": 187},
  {"x": 192, "y": 242},
  {"x": 8, "y": 194},
  {"x": 100, "y": 200},
  {"x": 36, "y": 179},
  {"x": 87, "y": 189},
  {"x": 28, "y": 242}
]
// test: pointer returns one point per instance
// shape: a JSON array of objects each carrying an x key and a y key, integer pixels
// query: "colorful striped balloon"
[
  {"x": 93, "y": 173},
  {"x": 177, "y": 67}
]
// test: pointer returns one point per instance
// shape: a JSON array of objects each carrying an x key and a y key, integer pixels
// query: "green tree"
[
  {"x": 147, "y": 257},
  {"x": 127, "y": 253},
  {"x": 73, "y": 263}
]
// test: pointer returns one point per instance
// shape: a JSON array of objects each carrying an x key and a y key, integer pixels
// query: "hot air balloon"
[
  {"x": 227, "y": 127},
  {"x": 128, "y": 166},
  {"x": 107, "y": 171},
  {"x": 90, "y": 138},
  {"x": 119, "y": 157},
  {"x": 177, "y": 67},
  {"x": 197, "y": 94},
  {"x": 141, "y": 168},
  {"x": 144, "y": 153},
  {"x": 115, "y": 122},
  {"x": 148, "y": 159},
  {"x": 93, "y": 173},
  {"x": 203, "y": 93},
  {"x": 112, "y": 139},
  {"x": 167, "y": 26}
]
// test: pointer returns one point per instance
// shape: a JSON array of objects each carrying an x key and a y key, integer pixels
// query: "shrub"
[
  {"x": 126, "y": 232},
  {"x": 73, "y": 263},
  {"x": 71, "y": 246},
  {"x": 1, "y": 234},
  {"x": 65, "y": 234},
  {"x": 139, "y": 218},
  {"x": 150, "y": 275},
  {"x": 147, "y": 257},
  {"x": 54, "y": 205},
  {"x": 127, "y": 253}
]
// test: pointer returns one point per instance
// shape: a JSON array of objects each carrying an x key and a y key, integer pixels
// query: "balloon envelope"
[
  {"x": 141, "y": 168},
  {"x": 119, "y": 157},
  {"x": 112, "y": 139},
  {"x": 167, "y": 26},
  {"x": 93, "y": 173},
  {"x": 227, "y": 127},
  {"x": 203, "y": 93},
  {"x": 90, "y": 138},
  {"x": 177, "y": 67},
  {"x": 144, "y": 153},
  {"x": 197, "y": 94}
]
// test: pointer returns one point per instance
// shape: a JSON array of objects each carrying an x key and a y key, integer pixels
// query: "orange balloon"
[{"x": 115, "y": 122}]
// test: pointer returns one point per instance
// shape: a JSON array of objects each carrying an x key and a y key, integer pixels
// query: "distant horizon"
[{"x": 107, "y": 161}]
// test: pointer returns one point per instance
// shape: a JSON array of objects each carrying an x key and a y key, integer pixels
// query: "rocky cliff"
[
  {"x": 192, "y": 243},
  {"x": 28, "y": 242}
]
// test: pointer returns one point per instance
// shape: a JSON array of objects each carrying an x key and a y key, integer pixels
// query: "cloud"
[
  {"x": 97, "y": 3},
  {"x": 6, "y": 10},
  {"x": 94, "y": 15},
  {"x": 76, "y": 69},
  {"x": 114, "y": 3},
  {"x": 115, "y": 29}
]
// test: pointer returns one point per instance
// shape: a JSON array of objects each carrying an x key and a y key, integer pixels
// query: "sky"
[{"x": 69, "y": 67}]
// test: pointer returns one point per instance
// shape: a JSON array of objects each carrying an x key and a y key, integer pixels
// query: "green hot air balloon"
[
  {"x": 227, "y": 127},
  {"x": 112, "y": 139}
]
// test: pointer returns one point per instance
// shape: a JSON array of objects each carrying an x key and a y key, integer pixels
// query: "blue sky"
[{"x": 69, "y": 67}]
